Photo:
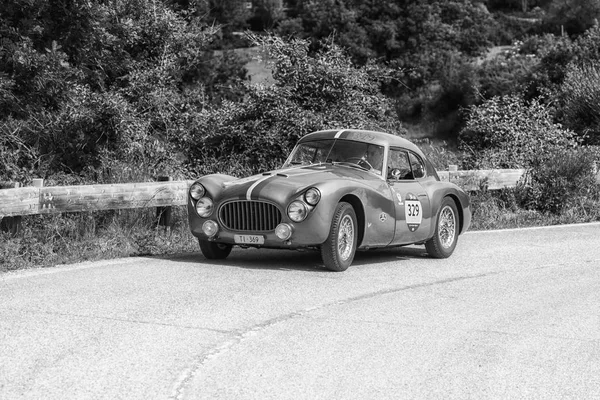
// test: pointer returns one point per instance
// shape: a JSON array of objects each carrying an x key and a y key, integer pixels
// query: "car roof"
[{"x": 361, "y": 135}]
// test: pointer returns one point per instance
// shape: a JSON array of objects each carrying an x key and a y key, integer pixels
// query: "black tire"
[
  {"x": 339, "y": 248},
  {"x": 214, "y": 251},
  {"x": 445, "y": 237}
]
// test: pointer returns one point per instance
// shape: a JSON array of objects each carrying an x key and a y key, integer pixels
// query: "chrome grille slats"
[{"x": 249, "y": 215}]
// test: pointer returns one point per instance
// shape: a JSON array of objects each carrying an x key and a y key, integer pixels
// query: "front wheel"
[
  {"x": 444, "y": 239},
  {"x": 214, "y": 251},
  {"x": 339, "y": 248}
]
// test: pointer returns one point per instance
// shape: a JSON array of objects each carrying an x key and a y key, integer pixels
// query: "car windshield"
[{"x": 363, "y": 155}]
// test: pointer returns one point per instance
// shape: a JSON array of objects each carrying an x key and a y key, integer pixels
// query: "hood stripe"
[
  {"x": 261, "y": 182},
  {"x": 337, "y": 135},
  {"x": 255, "y": 184}
]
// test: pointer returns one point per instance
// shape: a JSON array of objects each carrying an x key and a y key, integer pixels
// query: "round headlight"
[
  {"x": 283, "y": 231},
  {"x": 297, "y": 211},
  {"x": 312, "y": 196},
  {"x": 197, "y": 191},
  {"x": 210, "y": 228},
  {"x": 204, "y": 207}
]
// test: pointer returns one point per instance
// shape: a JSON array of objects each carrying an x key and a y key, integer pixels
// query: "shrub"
[
  {"x": 574, "y": 16},
  {"x": 107, "y": 93},
  {"x": 508, "y": 28},
  {"x": 580, "y": 95},
  {"x": 311, "y": 92},
  {"x": 557, "y": 55},
  {"x": 507, "y": 73},
  {"x": 507, "y": 132},
  {"x": 560, "y": 180}
]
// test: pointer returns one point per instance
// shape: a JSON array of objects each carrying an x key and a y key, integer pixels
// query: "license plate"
[{"x": 249, "y": 239}]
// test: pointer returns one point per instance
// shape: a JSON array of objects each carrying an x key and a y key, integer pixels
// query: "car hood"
[{"x": 279, "y": 185}]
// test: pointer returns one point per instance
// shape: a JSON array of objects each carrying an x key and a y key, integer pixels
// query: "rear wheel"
[
  {"x": 443, "y": 242},
  {"x": 214, "y": 251},
  {"x": 339, "y": 248}
]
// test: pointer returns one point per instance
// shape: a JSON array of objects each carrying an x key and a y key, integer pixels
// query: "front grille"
[{"x": 245, "y": 215}]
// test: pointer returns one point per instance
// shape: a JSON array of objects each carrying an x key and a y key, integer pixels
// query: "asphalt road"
[{"x": 512, "y": 314}]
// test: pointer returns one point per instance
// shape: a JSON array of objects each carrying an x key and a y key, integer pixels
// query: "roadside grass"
[
  {"x": 49, "y": 240},
  {"x": 499, "y": 210}
]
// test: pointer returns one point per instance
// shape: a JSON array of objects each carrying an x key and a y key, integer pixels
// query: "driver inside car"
[{"x": 374, "y": 156}]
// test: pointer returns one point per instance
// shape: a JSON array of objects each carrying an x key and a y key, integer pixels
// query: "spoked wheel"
[
  {"x": 339, "y": 248},
  {"x": 214, "y": 251},
  {"x": 443, "y": 242}
]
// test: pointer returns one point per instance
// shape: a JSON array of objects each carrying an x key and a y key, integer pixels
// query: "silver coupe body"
[{"x": 338, "y": 191}]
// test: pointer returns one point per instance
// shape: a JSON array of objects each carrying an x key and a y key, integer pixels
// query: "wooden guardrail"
[
  {"x": 492, "y": 179},
  {"x": 58, "y": 199}
]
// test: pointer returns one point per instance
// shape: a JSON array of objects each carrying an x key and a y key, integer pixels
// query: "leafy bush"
[
  {"x": 507, "y": 132},
  {"x": 561, "y": 179},
  {"x": 558, "y": 54},
  {"x": 441, "y": 154},
  {"x": 506, "y": 73},
  {"x": 574, "y": 16},
  {"x": 311, "y": 92},
  {"x": 509, "y": 28},
  {"x": 104, "y": 91},
  {"x": 580, "y": 95}
]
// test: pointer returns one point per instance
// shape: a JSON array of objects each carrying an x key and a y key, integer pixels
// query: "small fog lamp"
[
  {"x": 210, "y": 228},
  {"x": 283, "y": 231}
]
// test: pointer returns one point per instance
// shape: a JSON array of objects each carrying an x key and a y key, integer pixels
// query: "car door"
[{"x": 412, "y": 204}]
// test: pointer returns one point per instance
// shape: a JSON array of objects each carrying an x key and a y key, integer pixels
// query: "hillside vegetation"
[{"x": 127, "y": 90}]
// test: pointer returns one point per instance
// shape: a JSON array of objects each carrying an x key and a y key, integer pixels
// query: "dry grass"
[{"x": 48, "y": 240}]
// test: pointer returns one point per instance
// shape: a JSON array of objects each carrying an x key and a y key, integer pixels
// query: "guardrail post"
[
  {"x": 11, "y": 225},
  {"x": 452, "y": 169},
  {"x": 164, "y": 213}
]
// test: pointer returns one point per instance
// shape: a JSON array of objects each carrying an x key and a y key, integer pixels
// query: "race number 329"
[{"x": 414, "y": 212}]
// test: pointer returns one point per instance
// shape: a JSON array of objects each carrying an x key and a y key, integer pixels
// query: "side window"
[
  {"x": 416, "y": 163},
  {"x": 399, "y": 165}
]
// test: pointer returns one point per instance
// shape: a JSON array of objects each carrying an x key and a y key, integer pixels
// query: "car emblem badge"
[{"x": 382, "y": 217}]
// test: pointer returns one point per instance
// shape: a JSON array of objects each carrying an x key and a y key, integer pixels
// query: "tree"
[
  {"x": 95, "y": 87},
  {"x": 574, "y": 16},
  {"x": 413, "y": 35},
  {"x": 311, "y": 92}
]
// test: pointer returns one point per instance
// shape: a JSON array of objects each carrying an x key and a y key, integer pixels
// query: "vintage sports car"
[{"x": 338, "y": 191}]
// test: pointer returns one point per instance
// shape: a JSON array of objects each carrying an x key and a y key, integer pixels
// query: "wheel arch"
[
  {"x": 459, "y": 208},
  {"x": 359, "y": 210}
]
